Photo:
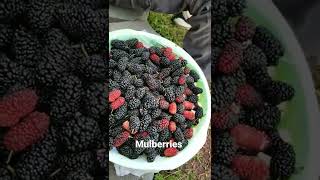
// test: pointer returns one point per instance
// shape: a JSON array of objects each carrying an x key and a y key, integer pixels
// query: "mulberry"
[
  {"x": 220, "y": 34},
  {"x": 94, "y": 68},
  {"x": 253, "y": 57},
  {"x": 152, "y": 83},
  {"x": 222, "y": 172},
  {"x": 117, "y": 103},
  {"x": 247, "y": 96},
  {"x": 17, "y": 105},
  {"x": 6, "y": 35},
  {"x": 134, "y": 124},
  {"x": 219, "y": 11},
  {"x": 66, "y": 100},
  {"x": 169, "y": 152},
  {"x": 80, "y": 133},
  {"x": 25, "y": 48},
  {"x": 258, "y": 77},
  {"x": 230, "y": 58},
  {"x": 39, "y": 161},
  {"x": 151, "y": 155},
  {"x": 224, "y": 149},
  {"x": 245, "y": 29},
  {"x": 250, "y": 167},
  {"x": 236, "y": 7},
  {"x": 269, "y": 44},
  {"x": 11, "y": 9},
  {"x": 225, "y": 119},
  {"x": 114, "y": 94},
  {"x": 26, "y": 133},
  {"x": 40, "y": 15},
  {"x": 277, "y": 92},
  {"x": 250, "y": 138},
  {"x": 76, "y": 161},
  {"x": 150, "y": 102},
  {"x": 164, "y": 136},
  {"x": 77, "y": 175},
  {"x": 178, "y": 135},
  {"x": 134, "y": 103},
  {"x": 283, "y": 161},
  {"x": 265, "y": 118},
  {"x": 96, "y": 99},
  {"x": 145, "y": 122},
  {"x": 128, "y": 152}
]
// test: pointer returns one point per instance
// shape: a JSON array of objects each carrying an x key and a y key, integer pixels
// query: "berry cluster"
[
  {"x": 152, "y": 97},
  {"x": 245, "y": 98},
  {"x": 53, "y": 89}
]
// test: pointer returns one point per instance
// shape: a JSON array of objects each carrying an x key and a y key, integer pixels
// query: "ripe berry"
[
  {"x": 245, "y": 29},
  {"x": 188, "y": 133},
  {"x": 186, "y": 70},
  {"x": 230, "y": 58},
  {"x": 139, "y": 45},
  {"x": 113, "y": 95},
  {"x": 181, "y": 99},
  {"x": 167, "y": 50},
  {"x": 188, "y": 105},
  {"x": 121, "y": 138},
  {"x": 247, "y": 96},
  {"x": 26, "y": 133},
  {"x": 161, "y": 124},
  {"x": 163, "y": 104},
  {"x": 172, "y": 126},
  {"x": 126, "y": 126},
  {"x": 189, "y": 115},
  {"x": 117, "y": 103},
  {"x": 248, "y": 167},
  {"x": 169, "y": 152},
  {"x": 173, "y": 108},
  {"x": 16, "y": 105},
  {"x": 188, "y": 92},
  {"x": 250, "y": 138},
  {"x": 182, "y": 80},
  {"x": 155, "y": 58},
  {"x": 171, "y": 57}
]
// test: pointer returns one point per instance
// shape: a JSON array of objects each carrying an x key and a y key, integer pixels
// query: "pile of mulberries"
[
  {"x": 53, "y": 92},
  {"x": 245, "y": 98},
  {"x": 153, "y": 96}
]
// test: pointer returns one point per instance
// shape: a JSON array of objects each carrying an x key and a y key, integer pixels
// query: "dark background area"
[{"x": 303, "y": 16}]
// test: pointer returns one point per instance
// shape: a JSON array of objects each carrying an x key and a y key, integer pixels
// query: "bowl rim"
[
  {"x": 164, "y": 163},
  {"x": 278, "y": 22}
]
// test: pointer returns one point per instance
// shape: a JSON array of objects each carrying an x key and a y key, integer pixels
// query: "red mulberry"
[
  {"x": 250, "y": 168},
  {"x": 17, "y": 105},
  {"x": 28, "y": 132},
  {"x": 250, "y": 138}
]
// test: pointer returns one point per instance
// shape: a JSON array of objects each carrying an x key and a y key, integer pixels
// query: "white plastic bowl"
[
  {"x": 265, "y": 13},
  {"x": 200, "y": 131}
]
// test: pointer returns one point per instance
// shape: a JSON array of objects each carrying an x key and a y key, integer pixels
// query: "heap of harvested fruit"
[
  {"x": 152, "y": 97},
  {"x": 53, "y": 89},
  {"x": 245, "y": 98}
]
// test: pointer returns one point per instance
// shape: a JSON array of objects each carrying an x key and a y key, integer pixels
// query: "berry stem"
[
  {"x": 84, "y": 51},
  {"x": 55, "y": 172},
  {"x": 9, "y": 157}
]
